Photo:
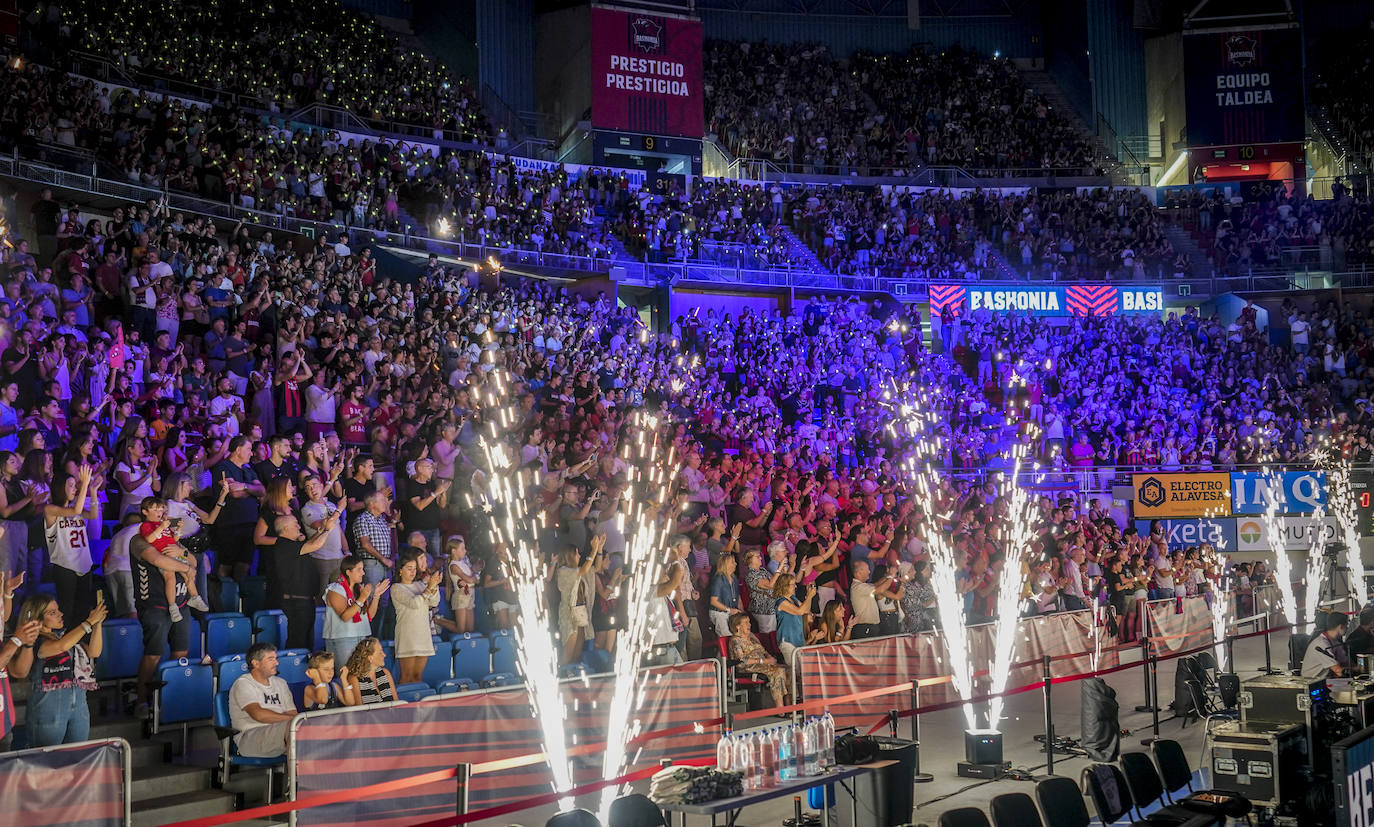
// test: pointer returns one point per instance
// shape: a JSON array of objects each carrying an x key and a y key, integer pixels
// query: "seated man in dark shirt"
[{"x": 1361, "y": 640}]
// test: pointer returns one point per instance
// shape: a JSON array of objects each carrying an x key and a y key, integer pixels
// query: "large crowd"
[
  {"x": 247, "y": 403},
  {"x": 1283, "y": 231},
  {"x": 259, "y": 404},
  {"x": 278, "y": 56},
  {"x": 805, "y": 110}
]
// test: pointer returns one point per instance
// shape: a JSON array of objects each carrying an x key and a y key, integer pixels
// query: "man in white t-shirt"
[
  {"x": 260, "y": 705},
  {"x": 668, "y": 623},
  {"x": 1298, "y": 331}
]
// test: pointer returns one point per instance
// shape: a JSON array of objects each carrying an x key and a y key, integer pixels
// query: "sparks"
[
  {"x": 1273, "y": 535},
  {"x": 1016, "y": 540}
]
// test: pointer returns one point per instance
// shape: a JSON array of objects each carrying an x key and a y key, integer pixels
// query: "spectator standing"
[
  {"x": 314, "y": 513},
  {"x": 865, "y": 605},
  {"x": 234, "y": 526},
  {"x": 63, "y": 672},
  {"x": 16, "y": 656},
  {"x": 425, "y": 500},
  {"x": 69, "y": 544},
  {"x": 372, "y": 536},
  {"x": 296, "y": 576},
  {"x": 150, "y": 568},
  {"x": 462, "y": 587},
  {"x": 261, "y": 706},
  {"x": 724, "y": 595},
  {"x": 350, "y": 606},
  {"x": 576, "y": 582},
  {"x": 414, "y": 596}
]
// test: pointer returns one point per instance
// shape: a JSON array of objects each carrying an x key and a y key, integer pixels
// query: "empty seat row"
[{"x": 1131, "y": 789}]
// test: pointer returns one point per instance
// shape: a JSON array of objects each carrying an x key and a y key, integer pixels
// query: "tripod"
[{"x": 1335, "y": 586}]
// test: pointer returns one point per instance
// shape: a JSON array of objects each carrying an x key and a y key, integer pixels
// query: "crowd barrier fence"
[
  {"x": 87, "y": 783},
  {"x": 495, "y": 732},
  {"x": 411, "y": 746}
]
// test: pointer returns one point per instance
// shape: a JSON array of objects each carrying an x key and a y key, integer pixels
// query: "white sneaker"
[
  {"x": 174, "y": 612},
  {"x": 198, "y": 602}
]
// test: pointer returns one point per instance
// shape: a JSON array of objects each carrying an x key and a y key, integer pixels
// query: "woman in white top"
[
  {"x": 576, "y": 591},
  {"x": 69, "y": 543},
  {"x": 414, "y": 600},
  {"x": 189, "y": 520},
  {"x": 350, "y": 606},
  {"x": 136, "y": 476}
]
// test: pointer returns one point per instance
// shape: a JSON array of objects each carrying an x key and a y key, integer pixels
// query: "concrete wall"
[
  {"x": 683, "y": 302},
  {"x": 1165, "y": 113},
  {"x": 563, "y": 65}
]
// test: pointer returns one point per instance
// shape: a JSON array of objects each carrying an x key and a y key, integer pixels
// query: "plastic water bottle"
[
  {"x": 771, "y": 766},
  {"x": 788, "y": 768},
  {"x": 725, "y": 752},
  {"x": 828, "y": 740},
  {"x": 799, "y": 750},
  {"x": 811, "y": 744},
  {"x": 765, "y": 767},
  {"x": 743, "y": 762}
]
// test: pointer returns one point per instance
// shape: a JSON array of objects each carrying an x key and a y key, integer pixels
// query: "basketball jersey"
[{"x": 69, "y": 544}]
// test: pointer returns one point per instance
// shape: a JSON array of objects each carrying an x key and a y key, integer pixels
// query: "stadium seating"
[
  {"x": 471, "y": 657},
  {"x": 123, "y": 649},
  {"x": 439, "y": 667},
  {"x": 227, "y": 633},
  {"x": 227, "y": 670},
  {"x": 269, "y": 626},
  {"x": 505, "y": 669},
  {"x": 185, "y": 695},
  {"x": 414, "y": 691},
  {"x": 453, "y": 685}
]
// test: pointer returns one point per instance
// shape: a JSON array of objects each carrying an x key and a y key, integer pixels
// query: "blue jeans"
[
  {"x": 58, "y": 716},
  {"x": 341, "y": 648}
]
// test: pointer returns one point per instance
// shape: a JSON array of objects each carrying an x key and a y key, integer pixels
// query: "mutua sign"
[{"x": 1069, "y": 300}]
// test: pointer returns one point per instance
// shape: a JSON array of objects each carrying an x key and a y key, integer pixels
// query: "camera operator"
[{"x": 1326, "y": 656}]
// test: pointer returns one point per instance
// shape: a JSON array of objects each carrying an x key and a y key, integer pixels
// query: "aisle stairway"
[
  {"x": 1185, "y": 241},
  {"x": 1044, "y": 84},
  {"x": 166, "y": 787}
]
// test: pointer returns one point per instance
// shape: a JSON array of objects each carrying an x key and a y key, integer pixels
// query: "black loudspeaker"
[
  {"x": 1297, "y": 647},
  {"x": 1099, "y": 717},
  {"x": 886, "y": 798}
]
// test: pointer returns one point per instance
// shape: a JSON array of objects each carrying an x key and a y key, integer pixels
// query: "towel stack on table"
[{"x": 694, "y": 785}]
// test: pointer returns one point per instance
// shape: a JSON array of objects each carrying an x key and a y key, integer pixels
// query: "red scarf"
[{"x": 353, "y": 596}]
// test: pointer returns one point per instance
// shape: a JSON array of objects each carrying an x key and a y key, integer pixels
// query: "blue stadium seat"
[
  {"x": 122, "y": 650},
  {"x": 227, "y": 670},
  {"x": 318, "y": 639},
  {"x": 269, "y": 626},
  {"x": 253, "y": 594},
  {"x": 186, "y": 694},
  {"x": 505, "y": 668},
  {"x": 453, "y": 685},
  {"x": 229, "y": 754},
  {"x": 439, "y": 667},
  {"x": 227, "y": 633},
  {"x": 414, "y": 691},
  {"x": 291, "y": 665},
  {"x": 471, "y": 657},
  {"x": 228, "y": 595},
  {"x": 389, "y": 646}
]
